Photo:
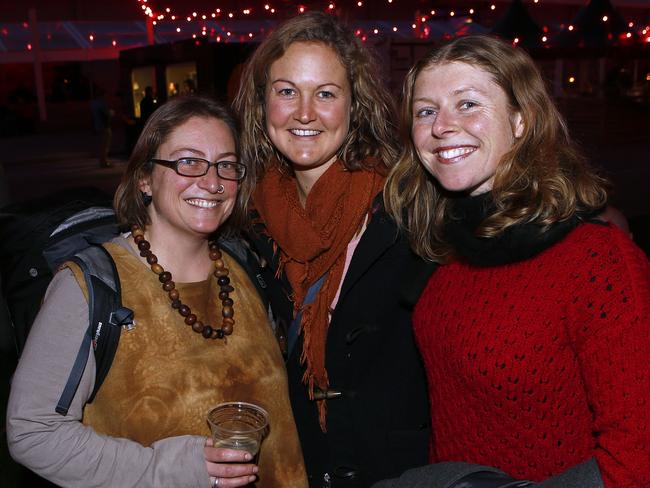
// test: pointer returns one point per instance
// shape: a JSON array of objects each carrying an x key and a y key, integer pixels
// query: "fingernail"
[
  {"x": 248, "y": 456},
  {"x": 252, "y": 478},
  {"x": 255, "y": 469}
]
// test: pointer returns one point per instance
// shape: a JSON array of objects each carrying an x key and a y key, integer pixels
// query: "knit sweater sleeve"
[
  {"x": 609, "y": 325},
  {"x": 62, "y": 449}
]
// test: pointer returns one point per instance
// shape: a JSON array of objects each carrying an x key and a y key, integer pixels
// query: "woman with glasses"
[{"x": 202, "y": 334}]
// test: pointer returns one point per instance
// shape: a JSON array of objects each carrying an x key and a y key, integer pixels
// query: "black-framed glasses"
[{"x": 193, "y": 167}]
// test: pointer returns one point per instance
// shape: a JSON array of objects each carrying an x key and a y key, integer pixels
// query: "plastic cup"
[{"x": 238, "y": 425}]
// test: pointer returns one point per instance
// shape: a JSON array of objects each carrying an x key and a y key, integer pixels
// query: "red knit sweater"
[{"x": 536, "y": 366}]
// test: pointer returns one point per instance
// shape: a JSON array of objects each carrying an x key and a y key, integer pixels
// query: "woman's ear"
[
  {"x": 145, "y": 185},
  {"x": 517, "y": 125}
]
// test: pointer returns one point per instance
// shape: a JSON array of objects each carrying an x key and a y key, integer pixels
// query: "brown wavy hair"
[
  {"x": 543, "y": 178},
  {"x": 128, "y": 203},
  {"x": 372, "y": 132}
]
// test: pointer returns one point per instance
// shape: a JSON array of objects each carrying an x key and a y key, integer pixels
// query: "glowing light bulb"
[
  {"x": 91, "y": 37},
  {"x": 452, "y": 13},
  {"x": 359, "y": 4},
  {"x": 375, "y": 31},
  {"x": 570, "y": 27},
  {"x": 628, "y": 35},
  {"x": 231, "y": 15},
  {"x": 516, "y": 40},
  {"x": 433, "y": 12},
  {"x": 155, "y": 23},
  {"x": 493, "y": 7},
  {"x": 394, "y": 29},
  {"x": 178, "y": 29},
  {"x": 29, "y": 47},
  {"x": 471, "y": 11},
  {"x": 331, "y": 6},
  {"x": 423, "y": 19},
  {"x": 572, "y": 79},
  {"x": 413, "y": 26},
  {"x": 544, "y": 38},
  {"x": 301, "y": 9},
  {"x": 173, "y": 17},
  {"x": 630, "y": 25},
  {"x": 250, "y": 35},
  {"x": 605, "y": 18},
  {"x": 167, "y": 10}
]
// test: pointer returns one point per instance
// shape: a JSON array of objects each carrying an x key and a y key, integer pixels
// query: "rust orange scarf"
[{"x": 313, "y": 241}]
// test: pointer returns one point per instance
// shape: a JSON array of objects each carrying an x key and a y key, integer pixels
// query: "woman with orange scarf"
[{"x": 319, "y": 134}]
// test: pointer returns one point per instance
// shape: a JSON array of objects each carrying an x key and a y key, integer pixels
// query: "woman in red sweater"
[{"x": 535, "y": 328}]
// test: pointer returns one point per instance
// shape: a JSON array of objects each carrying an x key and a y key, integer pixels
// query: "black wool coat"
[{"x": 378, "y": 416}]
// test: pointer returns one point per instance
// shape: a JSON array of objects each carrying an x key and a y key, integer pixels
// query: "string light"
[
  {"x": 572, "y": 79},
  {"x": 420, "y": 29}
]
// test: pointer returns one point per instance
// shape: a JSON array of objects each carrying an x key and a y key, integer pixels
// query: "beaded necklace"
[{"x": 168, "y": 285}]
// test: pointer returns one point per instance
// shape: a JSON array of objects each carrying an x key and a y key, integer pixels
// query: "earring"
[
  {"x": 146, "y": 198},
  {"x": 221, "y": 189}
]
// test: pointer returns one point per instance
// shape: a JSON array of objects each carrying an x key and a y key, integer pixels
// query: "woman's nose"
[
  {"x": 211, "y": 181},
  {"x": 443, "y": 124},
  {"x": 305, "y": 112}
]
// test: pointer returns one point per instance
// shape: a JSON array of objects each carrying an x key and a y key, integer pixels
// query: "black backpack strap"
[
  {"x": 105, "y": 321},
  {"x": 273, "y": 295}
]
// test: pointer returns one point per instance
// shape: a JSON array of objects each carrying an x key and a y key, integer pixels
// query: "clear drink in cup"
[{"x": 238, "y": 425}]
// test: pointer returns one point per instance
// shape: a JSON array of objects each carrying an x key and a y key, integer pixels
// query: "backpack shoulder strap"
[{"x": 106, "y": 318}]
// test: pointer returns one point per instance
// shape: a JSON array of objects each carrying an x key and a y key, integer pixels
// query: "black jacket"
[{"x": 378, "y": 427}]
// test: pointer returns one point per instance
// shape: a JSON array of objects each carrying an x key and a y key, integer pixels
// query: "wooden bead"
[{"x": 168, "y": 285}]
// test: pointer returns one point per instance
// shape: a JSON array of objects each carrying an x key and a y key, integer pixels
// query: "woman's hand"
[{"x": 228, "y": 467}]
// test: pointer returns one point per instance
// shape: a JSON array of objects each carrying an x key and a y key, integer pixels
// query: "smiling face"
[
  {"x": 185, "y": 205},
  {"x": 462, "y": 125},
  {"x": 308, "y": 99}
]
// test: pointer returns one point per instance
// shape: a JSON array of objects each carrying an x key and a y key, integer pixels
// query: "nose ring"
[{"x": 221, "y": 189}]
